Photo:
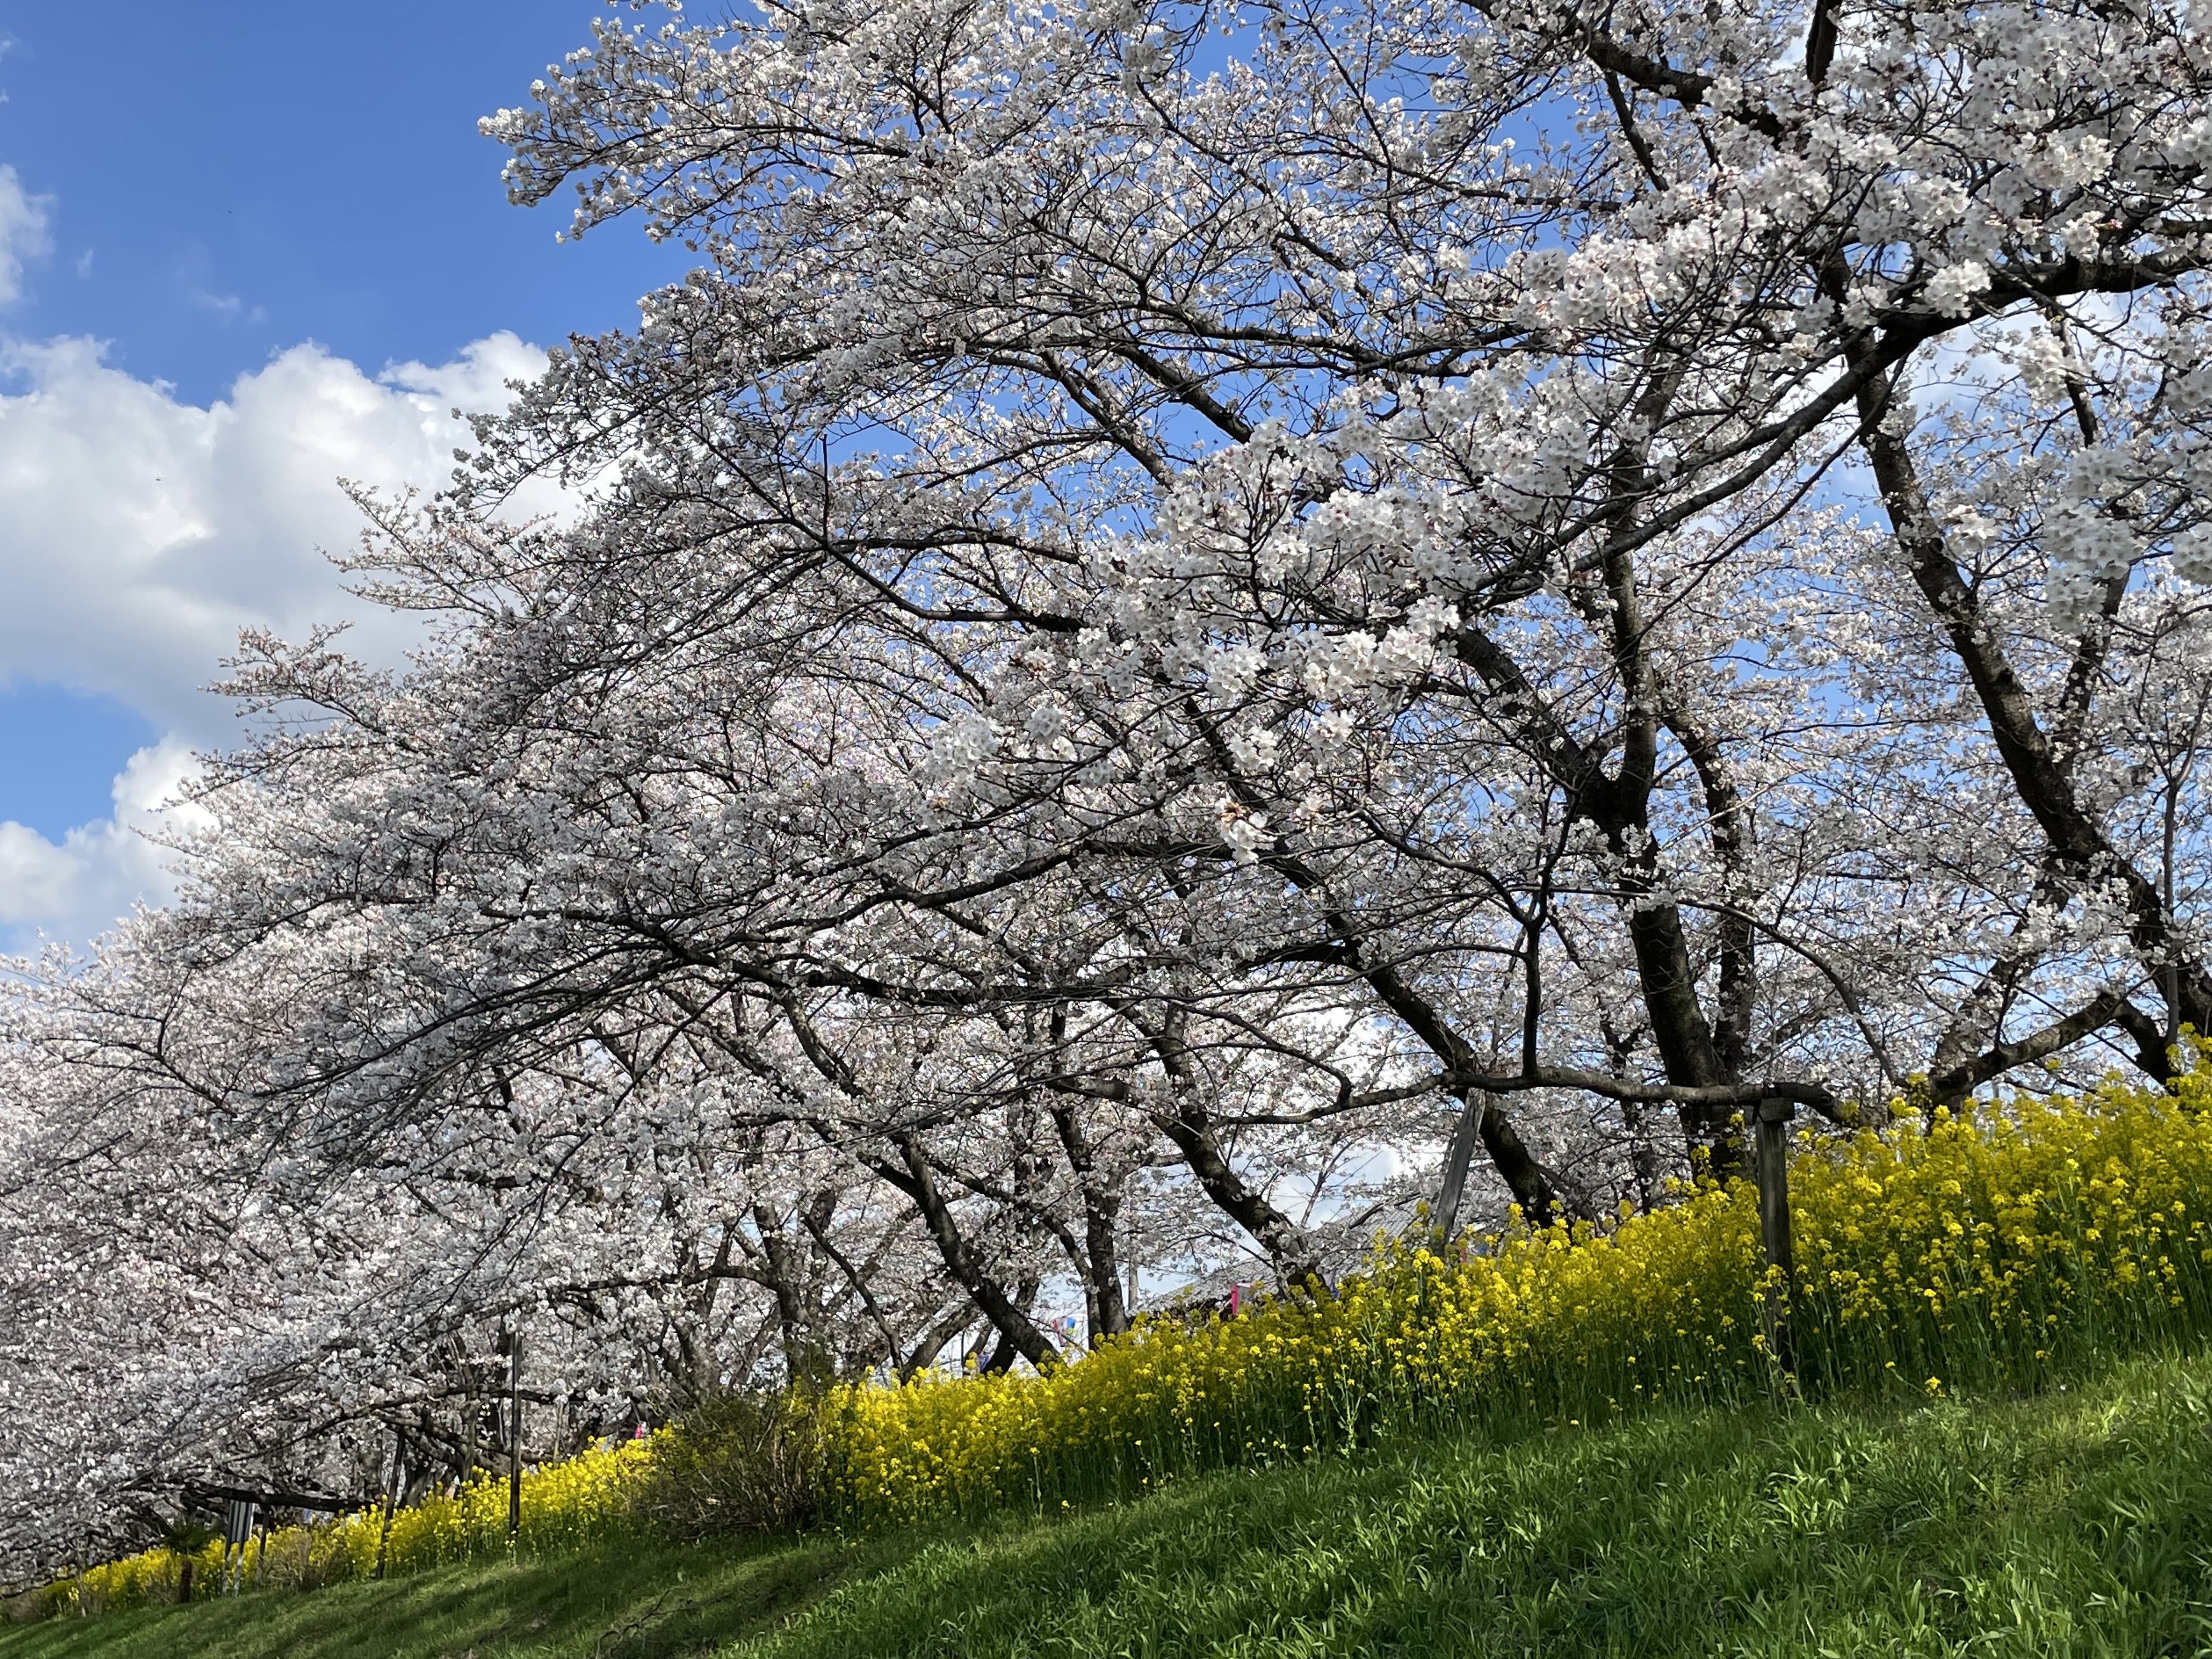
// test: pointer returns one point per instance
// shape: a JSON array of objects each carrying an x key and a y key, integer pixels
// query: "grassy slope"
[{"x": 2076, "y": 1523}]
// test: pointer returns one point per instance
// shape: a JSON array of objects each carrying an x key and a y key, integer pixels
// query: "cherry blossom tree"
[
  {"x": 1195, "y": 610},
  {"x": 1466, "y": 456}
]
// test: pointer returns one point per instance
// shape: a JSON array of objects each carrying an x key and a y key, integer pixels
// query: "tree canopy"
[{"x": 1194, "y": 612}]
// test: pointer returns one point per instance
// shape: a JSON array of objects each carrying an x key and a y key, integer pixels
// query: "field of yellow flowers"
[
  {"x": 1959, "y": 1253},
  {"x": 577, "y": 1501}
]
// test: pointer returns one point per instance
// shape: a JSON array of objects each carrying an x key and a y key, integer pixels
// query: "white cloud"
[
  {"x": 139, "y": 534},
  {"x": 23, "y": 233},
  {"x": 73, "y": 891}
]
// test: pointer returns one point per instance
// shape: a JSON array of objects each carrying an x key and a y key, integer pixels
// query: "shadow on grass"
[
  {"x": 2072, "y": 1525},
  {"x": 617, "y": 1602}
]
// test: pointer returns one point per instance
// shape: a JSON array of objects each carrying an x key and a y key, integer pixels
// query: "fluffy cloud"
[
  {"x": 139, "y": 534},
  {"x": 100, "y": 870}
]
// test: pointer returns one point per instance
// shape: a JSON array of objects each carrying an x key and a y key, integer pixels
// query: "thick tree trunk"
[
  {"x": 1618, "y": 805},
  {"x": 1728, "y": 823},
  {"x": 1191, "y": 1131},
  {"x": 1685, "y": 1040},
  {"x": 1531, "y": 1185},
  {"x": 910, "y": 1173},
  {"x": 1621, "y": 806},
  {"x": 806, "y": 1360}
]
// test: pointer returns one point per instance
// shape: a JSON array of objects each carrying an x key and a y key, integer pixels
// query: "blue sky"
[
  {"x": 233, "y": 177},
  {"x": 245, "y": 246}
]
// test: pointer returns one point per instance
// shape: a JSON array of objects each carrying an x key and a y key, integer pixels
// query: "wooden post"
[
  {"x": 1779, "y": 1288},
  {"x": 395, "y": 1481},
  {"x": 514, "y": 1435},
  {"x": 475, "y": 1409},
  {"x": 1129, "y": 1251},
  {"x": 1450, "y": 1191}
]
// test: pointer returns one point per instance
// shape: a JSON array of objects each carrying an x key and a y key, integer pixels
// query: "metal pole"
[
  {"x": 237, "y": 1533},
  {"x": 514, "y": 1435},
  {"x": 1778, "y": 1289}
]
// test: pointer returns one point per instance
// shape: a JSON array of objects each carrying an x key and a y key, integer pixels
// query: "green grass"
[
  {"x": 612, "y": 1602},
  {"x": 2074, "y": 1522}
]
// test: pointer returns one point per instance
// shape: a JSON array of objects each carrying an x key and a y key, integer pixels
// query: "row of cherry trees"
[{"x": 1196, "y": 611}]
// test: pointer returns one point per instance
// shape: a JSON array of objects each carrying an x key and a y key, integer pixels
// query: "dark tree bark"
[
  {"x": 2042, "y": 777},
  {"x": 1019, "y": 1334},
  {"x": 1107, "y": 1314}
]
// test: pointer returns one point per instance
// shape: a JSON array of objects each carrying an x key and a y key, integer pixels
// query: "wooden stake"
[
  {"x": 1457, "y": 1156},
  {"x": 514, "y": 1435},
  {"x": 475, "y": 1409},
  {"x": 1778, "y": 1290},
  {"x": 395, "y": 1481}
]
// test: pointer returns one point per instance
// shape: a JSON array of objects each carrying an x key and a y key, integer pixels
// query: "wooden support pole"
[
  {"x": 395, "y": 1481},
  {"x": 1129, "y": 1251},
  {"x": 1778, "y": 1290},
  {"x": 1452, "y": 1189},
  {"x": 474, "y": 1408},
  {"x": 514, "y": 1435}
]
